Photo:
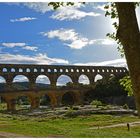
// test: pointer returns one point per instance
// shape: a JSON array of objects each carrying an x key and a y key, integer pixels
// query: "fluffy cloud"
[
  {"x": 77, "y": 42},
  {"x": 104, "y": 41},
  {"x": 100, "y": 7},
  {"x": 23, "y": 19},
  {"x": 31, "y": 48},
  {"x": 22, "y": 45},
  {"x": 62, "y": 13},
  {"x": 75, "y": 39},
  {"x": 41, "y": 7},
  {"x": 12, "y": 45},
  {"x": 26, "y": 59},
  {"x": 71, "y": 13},
  {"x": 116, "y": 63}
]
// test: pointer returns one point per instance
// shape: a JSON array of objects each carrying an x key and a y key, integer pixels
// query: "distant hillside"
[{"x": 22, "y": 86}]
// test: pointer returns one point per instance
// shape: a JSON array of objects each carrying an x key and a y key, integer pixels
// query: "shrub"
[
  {"x": 96, "y": 103},
  {"x": 125, "y": 106},
  {"x": 70, "y": 113}
]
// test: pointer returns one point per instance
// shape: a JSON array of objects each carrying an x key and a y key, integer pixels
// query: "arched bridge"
[{"x": 53, "y": 72}]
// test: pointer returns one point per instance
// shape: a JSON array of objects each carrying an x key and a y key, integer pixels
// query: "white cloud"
[
  {"x": 100, "y": 6},
  {"x": 71, "y": 13},
  {"x": 62, "y": 34},
  {"x": 39, "y": 6},
  {"x": 26, "y": 59},
  {"x": 31, "y": 48},
  {"x": 75, "y": 39},
  {"x": 12, "y": 45},
  {"x": 77, "y": 42},
  {"x": 63, "y": 12},
  {"x": 22, "y": 45},
  {"x": 105, "y": 41},
  {"x": 23, "y": 19},
  {"x": 116, "y": 63},
  {"x": 43, "y": 7}
]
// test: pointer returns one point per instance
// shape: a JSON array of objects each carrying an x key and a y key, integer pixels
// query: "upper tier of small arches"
[{"x": 59, "y": 69}]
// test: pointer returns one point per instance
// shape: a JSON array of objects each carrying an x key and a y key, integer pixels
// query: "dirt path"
[
  {"x": 117, "y": 125},
  {"x": 11, "y": 135}
]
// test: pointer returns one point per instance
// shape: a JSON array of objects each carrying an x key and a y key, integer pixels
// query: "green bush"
[
  {"x": 96, "y": 103},
  {"x": 70, "y": 113},
  {"x": 125, "y": 106}
]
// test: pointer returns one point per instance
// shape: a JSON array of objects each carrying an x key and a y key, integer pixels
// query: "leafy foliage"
[
  {"x": 96, "y": 103},
  {"x": 57, "y": 5},
  {"x": 112, "y": 12},
  {"x": 126, "y": 83}
]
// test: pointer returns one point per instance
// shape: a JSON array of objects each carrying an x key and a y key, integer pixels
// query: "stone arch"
[
  {"x": 2, "y": 79},
  {"x": 88, "y": 97},
  {"x": 62, "y": 80},
  {"x": 20, "y": 70},
  {"x": 84, "y": 79},
  {"x": 98, "y": 77},
  {"x": 20, "y": 78},
  {"x": 42, "y": 79},
  {"x": 42, "y": 70},
  {"x": 35, "y": 70},
  {"x": 28, "y": 70},
  {"x": 23, "y": 100},
  {"x": 4, "y": 70},
  {"x": 13, "y": 70},
  {"x": 112, "y": 76},
  {"x": 45, "y": 100},
  {"x": 68, "y": 98}
]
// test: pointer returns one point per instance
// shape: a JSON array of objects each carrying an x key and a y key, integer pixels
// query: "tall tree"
[{"x": 129, "y": 36}]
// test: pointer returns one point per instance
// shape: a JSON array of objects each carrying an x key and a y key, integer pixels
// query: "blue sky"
[{"x": 34, "y": 33}]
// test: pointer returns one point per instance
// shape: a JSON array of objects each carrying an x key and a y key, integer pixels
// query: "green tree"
[{"x": 127, "y": 34}]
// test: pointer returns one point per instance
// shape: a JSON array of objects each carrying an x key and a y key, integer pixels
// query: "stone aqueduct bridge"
[{"x": 53, "y": 72}]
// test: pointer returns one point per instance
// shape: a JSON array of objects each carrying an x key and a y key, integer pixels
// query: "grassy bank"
[{"x": 81, "y": 126}]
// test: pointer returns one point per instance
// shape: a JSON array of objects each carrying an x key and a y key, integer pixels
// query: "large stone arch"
[
  {"x": 42, "y": 79},
  {"x": 2, "y": 79},
  {"x": 98, "y": 77},
  {"x": 68, "y": 98},
  {"x": 23, "y": 100},
  {"x": 63, "y": 79},
  {"x": 20, "y": 78},
  {"x": 20, "y": 82},
  {"x": 45, "y": 100},
  {"x": 3, "y": 83},
  {"x": 84, "y": 79},
  {"x": 112, "y": 75},
  {"x": 53, "y": 98}
]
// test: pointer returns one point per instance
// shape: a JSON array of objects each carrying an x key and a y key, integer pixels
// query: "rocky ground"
[{"x": 72, "y": 111}]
